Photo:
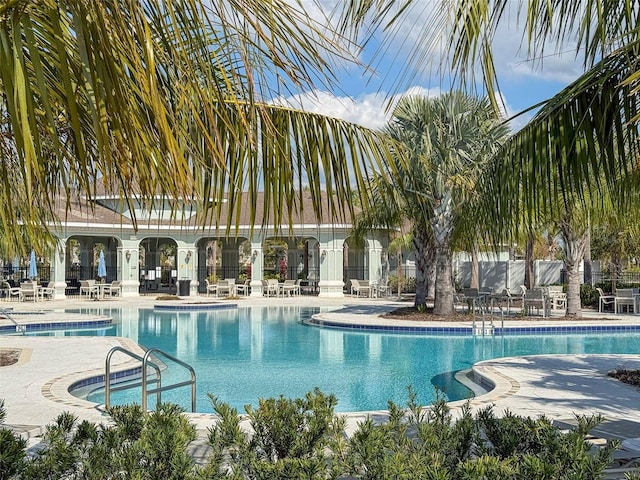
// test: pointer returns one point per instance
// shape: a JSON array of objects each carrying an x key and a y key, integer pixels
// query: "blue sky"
[{"x": 361, "y": 98}]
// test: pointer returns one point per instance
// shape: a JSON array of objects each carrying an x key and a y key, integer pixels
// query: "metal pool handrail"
[
  {"x": 144, "y": 381},
  {"x": 160, "y": 389},
  {"x": 19, "y": 327}
]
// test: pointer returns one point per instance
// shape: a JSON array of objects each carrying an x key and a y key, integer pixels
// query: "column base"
[
  {"x": 331, "y": 289},
  {"x": 130, "y": 288}
]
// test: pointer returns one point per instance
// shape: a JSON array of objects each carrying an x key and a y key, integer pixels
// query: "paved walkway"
[{"x": 35, "y": 389}]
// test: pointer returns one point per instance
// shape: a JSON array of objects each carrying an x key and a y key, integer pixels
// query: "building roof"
[{"x": 112, "y": 210}]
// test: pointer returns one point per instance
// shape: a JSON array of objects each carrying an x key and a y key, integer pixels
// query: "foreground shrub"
[
  {"x": 12, "y": 449},
  {"x": 289, "y": 439},
  {"x": 138, "y": 445},
  {"x": 303, "y": 439},
  {"x": 419, "y": 443}
]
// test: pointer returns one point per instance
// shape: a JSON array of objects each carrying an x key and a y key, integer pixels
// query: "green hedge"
[{"x": 304, "y": 439}]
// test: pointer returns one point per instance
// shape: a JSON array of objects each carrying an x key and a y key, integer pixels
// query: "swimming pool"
[{"x": 241, "y": 355}]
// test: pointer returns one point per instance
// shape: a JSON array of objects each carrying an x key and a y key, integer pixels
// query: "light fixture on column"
[
  {"x": 323, "y": 254},
  {"x": 188, "y": 256},
  {"x": 127, "y": 255}
]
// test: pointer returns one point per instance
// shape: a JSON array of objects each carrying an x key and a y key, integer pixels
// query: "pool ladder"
[
  {"x": 482, "y": 326},
  {"x": 144, "y": 380},
  {"x": 7, "y": 314}
]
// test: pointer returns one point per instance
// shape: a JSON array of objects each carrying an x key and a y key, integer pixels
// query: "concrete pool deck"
[{"x": 35, "y": 389}]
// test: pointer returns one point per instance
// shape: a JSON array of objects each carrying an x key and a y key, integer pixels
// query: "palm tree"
[
  {"x": 169, "y": 97},
  {"x": 600, "y": 110},
  {"x": 396, "y": 203},
  {"x": 449, "y": 140}
]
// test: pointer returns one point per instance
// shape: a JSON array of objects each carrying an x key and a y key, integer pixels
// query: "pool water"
[{"x": 241, "y": 355}]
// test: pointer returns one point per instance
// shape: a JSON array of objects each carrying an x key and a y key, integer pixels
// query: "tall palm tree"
[
  {"x": 395, "y": 204},
  {"x": 170, "y": 97},
  {"x": 449, "y": 139},
  {"x": 600, "y": 110}
]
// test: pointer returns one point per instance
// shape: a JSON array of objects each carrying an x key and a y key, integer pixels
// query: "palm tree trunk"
[
  {"x": 444, "y": 285},
  {"x": 574, "y": 244},
  {"x": 442, "y": 229},
  {"x": 431, "y": 273},
  {"x": 588, "y": 264},
  {"x": 475, "y": 267},
  {"x": 420, "y": 245},
  {"x": 529, "y": 280}
]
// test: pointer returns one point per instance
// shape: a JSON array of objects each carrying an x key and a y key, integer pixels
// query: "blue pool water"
[{"x": 241, "y": 355}]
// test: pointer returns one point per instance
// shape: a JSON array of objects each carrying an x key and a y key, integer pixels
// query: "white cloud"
[{"x": 370, "y": 110}]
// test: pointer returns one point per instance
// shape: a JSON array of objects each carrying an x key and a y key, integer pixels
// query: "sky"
[{"x": 361, "y": 97}]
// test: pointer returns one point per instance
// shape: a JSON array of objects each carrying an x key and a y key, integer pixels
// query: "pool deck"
[{"x": 35, "y": 389}]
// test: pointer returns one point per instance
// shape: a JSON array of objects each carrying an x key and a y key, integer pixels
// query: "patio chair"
[
  {"x": 28, "y": 290},
  {"x": 88, "y": 288},
  {"x": 10, "y": 291},
  {"x": 112, "y": 289},
  {"x": 474, "y": 298},
  {"x": 227, "y": 286},
  {"x": 289, "y": 287},
  {"x": 47, "y": 292},
  {"x": 359, "y": 287},
  {"x": 536, "y": 298},
  {"x": 211, "y": 287},
  {"x": 625, "y": 297},
  {"x": 604, "y": 300},
  {"x": 270, "y": 287},
  {"x": 243, "y": 288},
  {"x": 382, "y": 288},
  {"x": 557, "y": 297}
]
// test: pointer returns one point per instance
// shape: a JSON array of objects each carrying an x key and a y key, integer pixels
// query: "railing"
[
  {"x": 478, "y": 309},
  {"x": 19, "y": 328},
  {"x": 144, "y": 382}
]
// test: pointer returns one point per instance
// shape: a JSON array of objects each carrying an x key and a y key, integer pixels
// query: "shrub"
[
  {"x": 291, "y": 439},
  {"x": 12, "y": 449},
  {"x": 303, "y": 439},
  {"x": 588, "y": 296}
]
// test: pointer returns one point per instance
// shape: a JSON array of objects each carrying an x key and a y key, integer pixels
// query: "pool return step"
[{"x": 146, "y": 379}]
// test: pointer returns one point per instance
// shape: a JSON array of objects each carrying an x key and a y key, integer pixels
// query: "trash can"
[{"x": 184, "y": 287}]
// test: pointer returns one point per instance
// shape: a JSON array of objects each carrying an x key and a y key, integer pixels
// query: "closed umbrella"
[
  {"x": 33, "y": 269},
  {"x": 102, "y": 268}
]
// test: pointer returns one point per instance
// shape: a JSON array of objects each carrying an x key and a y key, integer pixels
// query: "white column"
[
  {"x": 187, "y": 259},
  {"x": 257, "y": 269},
  {"x": 128, "y": 259},
  {"x": 57, "y": 264},
  {"x": 374, "y": 259},
  {"x": 331, "y": 261}
]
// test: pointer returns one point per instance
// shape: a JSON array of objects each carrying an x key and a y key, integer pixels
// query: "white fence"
[{"x": 497, "y": 275}]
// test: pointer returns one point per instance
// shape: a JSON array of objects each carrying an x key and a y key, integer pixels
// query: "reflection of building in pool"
[{"x": 176, "y": 253}]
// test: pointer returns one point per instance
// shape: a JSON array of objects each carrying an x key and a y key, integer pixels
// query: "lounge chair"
[
  {"x": 47, "y": 292},
  {"x": 243, "y": 288},
  {"x": 10, "y": 291},
  {"x": 112, "y": 289},
  {"x": 270, "y": 287},
  {"x": 538, "y": 299},
  {"x": 28, "y": 290},
  {"x": 557, "y": 297},
  {"x": 88, "y": 288},
  {"x": 227, "y": 286},
  {"x": 382, "y": 288},
  {"x": 211, "y": 287},
  {"x": 290, "y": 287},
  {"x": 604, "y": 300},
  {"x": 625, "y": 297},
  {"x": 359, "y": 287}
]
